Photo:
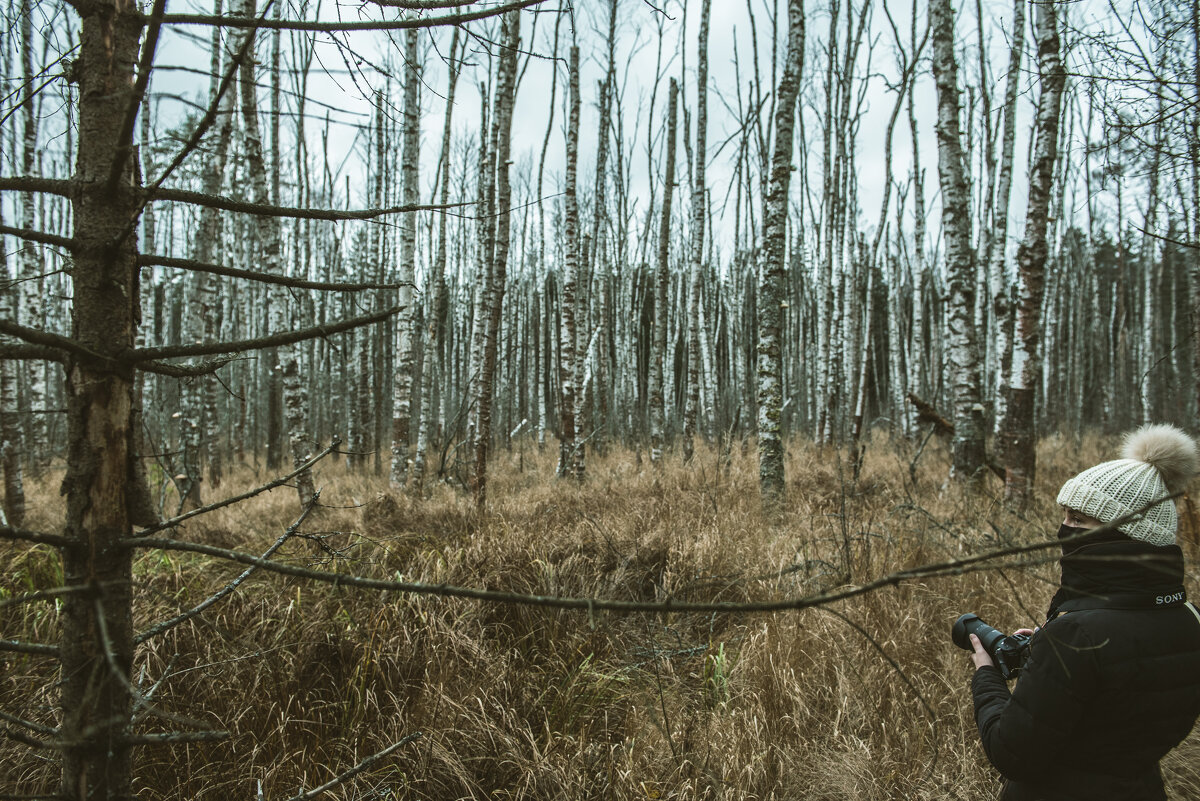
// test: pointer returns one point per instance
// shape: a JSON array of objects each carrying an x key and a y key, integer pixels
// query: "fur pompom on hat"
[{"x": 1157, "y": 461}]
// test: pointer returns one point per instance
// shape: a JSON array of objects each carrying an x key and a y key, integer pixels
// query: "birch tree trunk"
[
  {"x": 963, "y": 361},
  {"x": 541, "y": 275},
  {"x": 295, "y": 394},
  {"x": 1017, "y": 437},
  {"x": 198, "y": 314},
  {"x": 696, "y": 247},
  {"x": 436, "y": 288},
  {"x": 661, "y": 280},
  {"x": 402, "y": 383},
  {"x": 506, "y": 83},
  {"x": 1002, "y": 311},
  {"x": 32, "y": 300},
  {"x": 772, "y": 282},
  {"x": 11, "y": 445},
  {"x": 403, "y": 379},
  {"x": 566, "y": 348},
  {"x": 600, "y": 223}
]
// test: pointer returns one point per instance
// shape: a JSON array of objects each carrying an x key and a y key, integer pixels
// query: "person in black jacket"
[{"x": 1112, "y": 679}]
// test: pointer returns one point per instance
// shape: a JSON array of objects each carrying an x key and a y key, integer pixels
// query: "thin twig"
[
  {"x": 342, "y": 778},
  {"x": 42, "y": 595},
  {"x": 139, "y": 698},
  {"x": 29, "y": 724},
  {"x": 145, "y": 260},
  {"x": 36, "y": 648},
  {"x": 270, "y": 485},
  {"x": 155, "y": 630},
  {"x": 365, "y": 25}
]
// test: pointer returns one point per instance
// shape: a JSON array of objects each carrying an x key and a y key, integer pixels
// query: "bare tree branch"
[
  {"x": 36, "y": 648},
  {"x": 210, "y": 115},
  {"x": 366, "y": 25},
  {"x": 186, "y": 370},
  {"x": 165, "y": 625},
  {"x": 66, "y": 188},
  {"x": 267, "y": 210},
  {"x": 55, "y": 342},
  {"x": 10, "y": 533},
  {"x": 28, "y": 352},
  {"x": 287, "y": 338},
  {"x": 150, "y": 260},
  {"x": 279, "y": 482},
  {"x": 357, "y": 769},
  {"x": 42, "y": 595},
  {"x": 28, "y": 183},
  {"x": 149, "y": 46},
  {"x": 38, "y": 236},
  {"x": 988, "y": 560},
  {"x": 28, "y": 724}
]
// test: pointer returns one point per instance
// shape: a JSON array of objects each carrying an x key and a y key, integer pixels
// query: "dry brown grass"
[{"x": 519, "y": 702}]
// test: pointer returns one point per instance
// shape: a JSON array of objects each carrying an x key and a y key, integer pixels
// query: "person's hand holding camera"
[{"x": 979, "y": 656}]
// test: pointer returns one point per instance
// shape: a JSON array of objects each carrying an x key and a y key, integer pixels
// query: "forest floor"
[{"x": 865, "y": 698}]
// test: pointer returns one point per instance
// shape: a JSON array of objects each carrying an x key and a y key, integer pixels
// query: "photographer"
[{"x": 1111, "y": 682}]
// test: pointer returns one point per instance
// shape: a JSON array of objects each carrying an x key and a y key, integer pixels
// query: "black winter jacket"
[{"x": 1112, "y": 682}]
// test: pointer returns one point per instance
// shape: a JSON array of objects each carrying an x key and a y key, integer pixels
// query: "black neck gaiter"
[{"x": 1111, "y": 569}]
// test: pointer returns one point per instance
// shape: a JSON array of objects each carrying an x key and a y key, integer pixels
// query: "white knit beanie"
[{"x": 1157, "y": 461}]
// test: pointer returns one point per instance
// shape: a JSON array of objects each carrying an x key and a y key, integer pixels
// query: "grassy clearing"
[{"x": 864, "y": 700}]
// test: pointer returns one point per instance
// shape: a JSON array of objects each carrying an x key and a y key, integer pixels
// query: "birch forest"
[{"x": 432, "y": 245}]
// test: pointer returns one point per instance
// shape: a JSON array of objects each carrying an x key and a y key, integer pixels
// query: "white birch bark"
[
  {"x": 826, "y": 275},
  {"x": 963, "y": 359},
  {"x": 696, "y": 246},
  {"x": 1002, "y": 312},
  {"x": 194, "y": 429},
  {"x": 540, "y": 275},
  {"x": 506, "y": 84},
  {"x": 436, "y": 288},
  {"x": 32, "y": 299},
  {"x": 402, "y": 387},
  {"x": 483, "y": 285},
  {"x": 600, "y": 223},
  {"x": 295, "y": 394},
  {"x": 566, "y": 349},
  {"x": 918, "y": 362},
  {"x": 660, "y": 282},
  {"x": 771, "y": 290}
]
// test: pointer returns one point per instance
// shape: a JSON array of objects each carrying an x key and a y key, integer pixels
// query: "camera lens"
[{"x": 969, "y": 624}]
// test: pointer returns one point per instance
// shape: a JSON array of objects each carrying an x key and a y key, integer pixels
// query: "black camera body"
[{"x": 1007, "y": 651}]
